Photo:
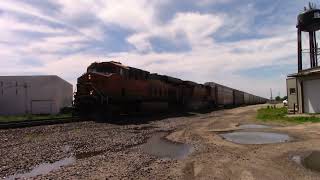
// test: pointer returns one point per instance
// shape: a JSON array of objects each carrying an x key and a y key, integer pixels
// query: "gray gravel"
[{"x": 101, "y": 150}]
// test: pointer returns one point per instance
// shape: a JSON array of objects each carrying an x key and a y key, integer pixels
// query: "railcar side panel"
[
  {"x": 238, "y": 97},
  {"x": 246, "y": 98},
  {"x": 227, "y": 96}
]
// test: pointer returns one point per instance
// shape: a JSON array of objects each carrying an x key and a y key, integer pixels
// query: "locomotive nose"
[{"x": 86, "y": 104}]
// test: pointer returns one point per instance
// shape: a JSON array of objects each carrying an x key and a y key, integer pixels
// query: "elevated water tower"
[
  {"x": 303, "y": 87},
  {"x": 309, "y": 21}
]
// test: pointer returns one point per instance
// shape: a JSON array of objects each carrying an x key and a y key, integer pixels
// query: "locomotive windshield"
[
  {"x": 108, "y": 68},
  {"x": 102, "y": 69}
]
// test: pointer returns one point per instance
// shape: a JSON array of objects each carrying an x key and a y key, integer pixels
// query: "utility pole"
[{"x": 271, "y": 94}]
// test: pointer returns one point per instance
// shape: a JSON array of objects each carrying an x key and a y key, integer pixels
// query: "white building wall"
[
  {"x": 34, "y": 94},
  {"x": 292, "y": 93},
  {"x": 311, "y": 94}
]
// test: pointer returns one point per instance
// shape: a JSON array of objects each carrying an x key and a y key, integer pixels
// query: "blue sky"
[{"x": 248, "y": 45}]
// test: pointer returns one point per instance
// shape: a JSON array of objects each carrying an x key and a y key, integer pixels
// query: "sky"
[{"x": 247, "y": 45}]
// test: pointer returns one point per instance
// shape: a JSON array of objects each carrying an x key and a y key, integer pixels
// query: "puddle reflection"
[
  {"x": 256, "y": 137},
  {"x": 161, "y": 147},
  {"x": 43, "y": 169}
]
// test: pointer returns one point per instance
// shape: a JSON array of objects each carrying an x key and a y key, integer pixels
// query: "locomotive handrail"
[{"x": 95, "y": 89}]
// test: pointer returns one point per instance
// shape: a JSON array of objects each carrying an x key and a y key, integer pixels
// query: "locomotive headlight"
[
  {"x": 91, "y": 92},
  {"x": 89, "y": 77}
]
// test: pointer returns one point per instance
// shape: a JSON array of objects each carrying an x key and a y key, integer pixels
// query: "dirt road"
[{"x": 90, "y": 150}]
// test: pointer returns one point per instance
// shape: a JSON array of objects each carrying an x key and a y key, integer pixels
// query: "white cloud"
[
  {"x": 140, "y": 41},
  {"x": 17, "y": 6},
  {"x": 73, "y": 65},
  {"x": 54, "y": 45},
  {"x": 20, "y": 7},
  {"x": 9, "y": 23},
  {"x": 195, "y": 26},
  {"x": 18, "y": 45},
  {"x": 210, "y": 2},
  {"x": 208, "y": 59},
  {"x": 136, "y": 15},
  {"x": 219, "y": 62}
]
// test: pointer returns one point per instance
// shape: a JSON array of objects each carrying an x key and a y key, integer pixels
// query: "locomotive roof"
[
  {"x": 190, "y": 83},
  {"x": 117, "y": 64},
  {"x": 110, "y": 62},
  {"x": 136, "y": 69}
]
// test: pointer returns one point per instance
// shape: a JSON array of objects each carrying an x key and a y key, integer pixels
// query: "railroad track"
[{"x": 40, "y": 122}]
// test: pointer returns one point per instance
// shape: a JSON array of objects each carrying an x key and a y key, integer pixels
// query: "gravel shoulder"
[{"x": 114, "y": 151}]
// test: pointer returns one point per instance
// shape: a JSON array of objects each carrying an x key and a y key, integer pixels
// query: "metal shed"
[
  {"x": 45, "y": 94},
  {"x": 306, "y": 93}
]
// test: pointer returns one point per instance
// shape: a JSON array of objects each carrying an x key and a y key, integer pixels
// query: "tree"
[
  {"x": 278, "y": 98},
  {"x": 285, "y": 97}
]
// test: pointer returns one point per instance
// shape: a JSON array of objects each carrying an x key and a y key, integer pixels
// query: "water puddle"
[
  {"x": 143, "y": 128},
  {"x": 43, "y": 169},
  {"x": 310, "y": 161},
  {"x": 253, "y": 126},
  {"x": 161, "y": 147},
  {"x": 84, "y": 155},
  {"x": 208, "y": 117},
  {"x": 256, "y": 137}
]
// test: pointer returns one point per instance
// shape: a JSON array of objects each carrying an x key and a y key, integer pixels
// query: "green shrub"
[{"x": 66, "y": 110}]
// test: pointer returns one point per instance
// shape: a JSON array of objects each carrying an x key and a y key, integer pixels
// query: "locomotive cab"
[
  {"x": 114, "y": 67},
  {"x": 111, "y": 67},
  {"x": 111, "y": 87},
  {"x": 92, "y": 90}
]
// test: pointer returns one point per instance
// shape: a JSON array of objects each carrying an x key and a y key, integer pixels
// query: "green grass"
[
  {"x": 13, "y": 118},
  {"x": 279, "y": 114}
]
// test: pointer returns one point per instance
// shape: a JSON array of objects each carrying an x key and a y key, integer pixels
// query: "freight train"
[{"x": 111, "y": 88}]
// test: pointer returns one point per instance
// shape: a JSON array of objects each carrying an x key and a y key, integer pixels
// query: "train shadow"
[
  {"x": 145, "y": 118},
  {"x": 137, "y": 119}
]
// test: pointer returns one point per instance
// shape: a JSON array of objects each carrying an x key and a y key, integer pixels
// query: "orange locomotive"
[{"x": 112, "y": 88}]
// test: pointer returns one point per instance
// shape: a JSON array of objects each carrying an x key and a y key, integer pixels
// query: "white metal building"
[
  {"x": 34, "y": 94},
  {"x": 303, "y": 90}
]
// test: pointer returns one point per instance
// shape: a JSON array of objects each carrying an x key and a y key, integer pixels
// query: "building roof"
[
  {"x": 35, "y": 76},
  {"x": 306, "y": 72}
]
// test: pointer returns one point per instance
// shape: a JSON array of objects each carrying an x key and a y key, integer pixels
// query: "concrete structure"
[
  {"x": 34, "y": 94},
  {"x": 303, "y": 87},
  {"x": 292, "y": 93}
]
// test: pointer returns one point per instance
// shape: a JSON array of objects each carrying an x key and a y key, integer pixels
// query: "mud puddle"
[
  {"x": 161, "y": 147},
  {"x": 310, "y": 161},
  {"x": 85, "y": 155},
  {"x": 43, "y": 169},
  {"x": 46, "y": 168},
  {"x": 253, "y": 126},
  {"x": 256, "y": 137},
  {"x": 143, "y": 128}
]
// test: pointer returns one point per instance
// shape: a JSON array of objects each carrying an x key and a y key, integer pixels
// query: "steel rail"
[{"x": 38, "y": 122}]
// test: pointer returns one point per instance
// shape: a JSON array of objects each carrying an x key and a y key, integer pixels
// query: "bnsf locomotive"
[{"x": 111, "y": 88}]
